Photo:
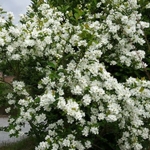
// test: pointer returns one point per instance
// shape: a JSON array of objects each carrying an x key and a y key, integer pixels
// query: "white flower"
[
  {"x": 77, "y": 90},
  {"x": 10, "y": 15},
  {"x": 44, "y": 7},
  {"x": 130, "y": 29},
  {"x": 2, "y": 42},
  {"x": 40, "y": 118},
  {"x": 46, "y": 100},
  {"x": 137, "y": 122},
  {"x": 111, "y": 118},
  {"x": 72, "y": 109},
  {"x": 45, "y": 80},
  {"x": 114, "y": 28},
  {"x": 2, "y": 21},
  {"x": 74, "y": 39},
  {"x": 95, "y": 89},
  {"x": 15, "y": 57},
  {"x": 10, "y": 49},
  {"x": 145, "y": 133},
  {"x": 133, "y": 3},
  {"x": 144, "y": 24},
  {"x": 148, "y": 5},
  {"x": 114, "y": 108},
  {"x": 86, "y": 100},
  {"x": 42, "y": 146},
  {"x": 23, "y": 102},
  {"x": 137, "y": 146},
  {"x": 11, "y": 131},
  {"x": 85, "y": 131},
  {"x": 60, "y": 122},
  {"x": 28, "y": 42},
  {"x": 14, "y": 31},
  {"x": 11, "y": 120},
  {"x": 78, "y": 145},
  {"x": 124, "y": 19},
  {"x": 60, "y": 91},
  {"x": 8, "y": 38},
  {"x": 98, "y": 5},
  {"x": 61, "y": 103},
  {"x": 88, "y": 144},
  {"x": 55, "y": 146},
  {"x": 94, "y": 130},
  {"x": 66, "y": 142},
  {"x": 48, "y": 40},
  {"x": 101, "y": 116},
  {"x": 17, "y": 127},
  {"x": 82, "y": 43},
  {"x": 56, "y": 38},
  {"x": 19, "y": 120},
  {"x": 11, "y": 102},
  {"x": 7, "y": 110},
  {"x": 27, "y": 116},
  {"x": 18, "y": 85}
]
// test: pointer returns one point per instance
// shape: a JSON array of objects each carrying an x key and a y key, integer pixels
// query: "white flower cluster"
[{"x": 79, "y": 93}]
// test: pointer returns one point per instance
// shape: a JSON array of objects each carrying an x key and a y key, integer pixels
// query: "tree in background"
[{"x": 77, "y": 65}]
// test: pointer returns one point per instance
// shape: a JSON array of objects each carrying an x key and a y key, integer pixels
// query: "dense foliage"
[{"x": 79, "y": 73}]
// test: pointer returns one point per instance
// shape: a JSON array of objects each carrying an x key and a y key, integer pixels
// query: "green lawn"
[{"x": 25, "y": 144}]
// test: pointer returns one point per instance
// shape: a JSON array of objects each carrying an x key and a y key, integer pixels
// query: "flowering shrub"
[{"x": 78, "y": 102}]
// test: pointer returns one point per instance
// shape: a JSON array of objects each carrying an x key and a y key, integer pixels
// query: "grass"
[{"x": 25, "y": 144}]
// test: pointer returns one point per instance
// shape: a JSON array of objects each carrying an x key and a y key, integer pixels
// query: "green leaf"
[
  {"x": 52, "y": 65},
  {"x": 141, "y": 89}
]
